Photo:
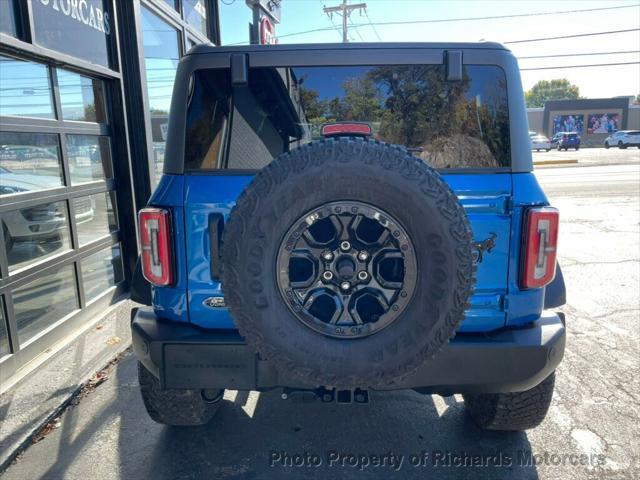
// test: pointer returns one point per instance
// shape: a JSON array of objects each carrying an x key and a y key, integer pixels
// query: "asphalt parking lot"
[{"x": 591, "y": 431}]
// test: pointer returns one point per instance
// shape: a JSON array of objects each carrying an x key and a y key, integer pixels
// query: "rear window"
[{"x": 463, "y": 124}]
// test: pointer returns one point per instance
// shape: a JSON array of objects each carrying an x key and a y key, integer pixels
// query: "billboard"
[
  {"x": 603, "y": 122},
  {"x": 568, "y": 123}
]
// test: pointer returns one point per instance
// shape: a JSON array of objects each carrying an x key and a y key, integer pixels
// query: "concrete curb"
[{"x": 45, "y": 392}]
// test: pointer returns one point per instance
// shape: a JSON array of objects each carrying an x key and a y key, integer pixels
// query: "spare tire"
[{"x": 347, "y": 263}]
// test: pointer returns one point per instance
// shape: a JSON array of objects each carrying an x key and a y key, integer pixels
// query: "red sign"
[{"x": 267, "y": 32}]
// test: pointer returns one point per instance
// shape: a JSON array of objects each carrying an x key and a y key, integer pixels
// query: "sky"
[{"x": 594, "y": 82}]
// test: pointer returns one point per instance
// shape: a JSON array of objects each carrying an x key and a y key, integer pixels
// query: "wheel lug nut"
[
  {"x": 327, "y": 275},
  {"x": 363, "y": 275},
  {"x": 345, "y": 246},
  {"x": 362, "y": 256},
  {"x": 328, "y": 256},
  {"x": 345, "y": 285}
]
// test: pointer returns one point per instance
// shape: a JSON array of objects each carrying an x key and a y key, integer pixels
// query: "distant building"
[{"x": 593, "y": 119}]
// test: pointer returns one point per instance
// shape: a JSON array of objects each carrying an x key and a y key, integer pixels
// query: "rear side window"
[{"x": 461, "y": 124}]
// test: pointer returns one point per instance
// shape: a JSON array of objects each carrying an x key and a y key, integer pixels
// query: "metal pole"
[
  {"x": 345, "y": 10},
  {"x": 345, "y": 37}
]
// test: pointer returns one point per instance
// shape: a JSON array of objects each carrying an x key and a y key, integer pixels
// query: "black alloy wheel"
[{"x": 346, "y": 269}]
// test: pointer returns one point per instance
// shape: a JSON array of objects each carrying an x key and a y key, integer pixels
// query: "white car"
[
  {"x": 539, "y": 142},
  {"x": 43, "y": 222},
  {"x": 623, "y": 139}
]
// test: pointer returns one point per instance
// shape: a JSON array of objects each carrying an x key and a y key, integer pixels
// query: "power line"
[
  {"x": 464, "y": 19},
  {"x": 357, "y": 31},
  {"x": 372, "y": 26},
  {"x": 583, "y": 66},
  {"x": 574, "y": 36},
  {"x": 580, "y": 54},
  {"x": 334, "y": 24}
]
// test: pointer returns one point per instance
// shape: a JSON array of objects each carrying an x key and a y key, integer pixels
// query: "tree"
[
  {"x": 636, "y": 101},
  {"x": 361, "y": 100},
  {"x": 544, "y": 90},
  {"x": 312, "y": 105}
]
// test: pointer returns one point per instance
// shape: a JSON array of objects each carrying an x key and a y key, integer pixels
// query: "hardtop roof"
[{"x": 202, "y": 49}]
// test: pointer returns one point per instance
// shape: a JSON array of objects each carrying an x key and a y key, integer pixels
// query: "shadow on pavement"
[
  {"x": 109, "y": 435},
  {"x": 266, "y": 437}
]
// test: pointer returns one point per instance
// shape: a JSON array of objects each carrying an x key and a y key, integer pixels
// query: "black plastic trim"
[
  {"x": 182, "y": 355},
  {"x": 239, "y": 70},
  {"x": 454, "y": 65},
  {"x": 216, "y": 228},
  {"x": 555, "y": 294},
  {"x": 140, "y": 288}
]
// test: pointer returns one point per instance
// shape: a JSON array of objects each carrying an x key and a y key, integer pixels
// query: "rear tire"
[
  {"x": 511, "y": 411},
  {"x": 177, "y": 407}
]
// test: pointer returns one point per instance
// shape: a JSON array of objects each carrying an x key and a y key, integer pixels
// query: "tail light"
[
  {"x": 540, "y": 247},
  {"x": 155, "y": 245}
]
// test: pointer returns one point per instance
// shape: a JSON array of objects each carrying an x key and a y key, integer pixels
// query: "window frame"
[
  {"x": 310, "y": 55},
  {"x": 20, "y": 353},
  {"x": 174, "y": 19}
]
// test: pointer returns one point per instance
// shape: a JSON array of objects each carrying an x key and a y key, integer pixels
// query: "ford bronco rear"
[{"x": 338, "y": 219}]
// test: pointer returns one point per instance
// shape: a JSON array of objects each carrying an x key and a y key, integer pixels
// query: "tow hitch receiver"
[{"x": 326, "y": 395}]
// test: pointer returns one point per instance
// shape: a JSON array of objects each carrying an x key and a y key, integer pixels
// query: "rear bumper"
[{"x": 183, "y": 356}]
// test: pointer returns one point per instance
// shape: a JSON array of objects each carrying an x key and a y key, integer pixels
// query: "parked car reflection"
[{"x": 37, "y": 231}]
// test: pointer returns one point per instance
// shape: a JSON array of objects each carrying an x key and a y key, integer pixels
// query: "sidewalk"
[{"x": 39, "y": 397}]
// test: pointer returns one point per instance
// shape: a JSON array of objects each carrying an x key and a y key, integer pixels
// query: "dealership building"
[
  {"x": 594, "y": 119},
  {"x": 85, "y": 88}
]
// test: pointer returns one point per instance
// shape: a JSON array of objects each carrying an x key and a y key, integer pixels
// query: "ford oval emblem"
[{"x": 214, "y": 302}]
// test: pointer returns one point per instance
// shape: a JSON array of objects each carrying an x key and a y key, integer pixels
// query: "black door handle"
[{"x": 216, "y": 227}]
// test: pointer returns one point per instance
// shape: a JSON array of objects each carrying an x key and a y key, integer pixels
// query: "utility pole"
[{"x": 344, "y": 10}]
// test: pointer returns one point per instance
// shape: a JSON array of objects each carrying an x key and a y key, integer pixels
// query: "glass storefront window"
[
  {"x": 161, "y": 55},
  {"x": 95, "y": 216},
  {"x": 82, "y": 98},
  {"x": 4, "y": 338},
  {"x": 89, "y": 158},
  {"x": 35, "y": 233},
  {"x": 29, "y": 162},
  {"x": 101, "y": 271},
  {"x": 8, "y": 23},
  {"x": 41, "y": 303},
  {"x": 25, "y": 89},
  {"x": 195, "y": 14}
]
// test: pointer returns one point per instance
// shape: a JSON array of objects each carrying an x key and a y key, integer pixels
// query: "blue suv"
[
  {"x": 338, "y": 219},
  {"x": 565, "y": 141}
]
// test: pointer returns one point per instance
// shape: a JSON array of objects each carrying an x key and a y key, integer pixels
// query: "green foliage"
[
  {"x": 414, "y": 105},
  {"x": 558, "y": 89}
]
